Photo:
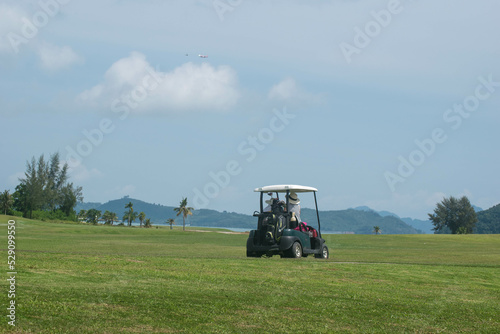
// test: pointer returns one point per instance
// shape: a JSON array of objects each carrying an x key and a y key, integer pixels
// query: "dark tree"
[
  {"x": 456, "y": 214},
  {"x": 109, "y": 217},
  {"x": 6, "y": 201},
  {"x": 56, "y": 189},
  {"x": 45, "y": 187},
  {"x": 93, "y": 216},
  {"x": 68, "y": 197},
  {"x": 33, "y": 185},
  {"x": 21, "y": 199}
]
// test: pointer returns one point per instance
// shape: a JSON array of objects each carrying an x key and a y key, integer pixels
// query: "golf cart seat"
[{"x": 303, "y": 227}]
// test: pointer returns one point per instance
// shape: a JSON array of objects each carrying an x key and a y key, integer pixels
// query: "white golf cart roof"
[{"x": 283, "y": 188}]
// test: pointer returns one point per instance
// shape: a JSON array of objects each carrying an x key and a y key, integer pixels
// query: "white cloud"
[
  {"x": 132, "y": 83},
  {"x": 288, "y": 90},
  {"x": 284, "y": 90},
  {"x": 20, "y": 32},
  {"x": 55, "y": 58}
]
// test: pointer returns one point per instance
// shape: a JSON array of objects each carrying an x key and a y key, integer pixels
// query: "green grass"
[{"x": 75, "y": 278}]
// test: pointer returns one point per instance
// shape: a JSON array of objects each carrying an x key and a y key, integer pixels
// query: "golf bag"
[{"x": 271, "y": 227}]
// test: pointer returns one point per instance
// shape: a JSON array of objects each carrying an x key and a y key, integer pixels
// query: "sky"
[{"x": 393, "y": 104}]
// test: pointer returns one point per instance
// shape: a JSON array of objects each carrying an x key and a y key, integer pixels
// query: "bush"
[
  {"x": 53, "y": 215},
  {"x": 15, "y": 213}
]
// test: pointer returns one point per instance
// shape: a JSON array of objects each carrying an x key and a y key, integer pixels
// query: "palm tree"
[
  {"x": 170, "y": 221},
  {"x": 130, "y": 215},
  {"x": 6, "y": 201},
  {"x": 147, "y": 223},
  {"x": 93, "y": 216},
  {"x": 185, "y": 211},
  {"x": 113, "y": 217},
  {"x": 376, "y": 229},
  {"x": 142, "y": 216},
  {"x": 82, "y": 215},
  {"x": 130, "y": 206},
  {"x": 109, "y": 217}
]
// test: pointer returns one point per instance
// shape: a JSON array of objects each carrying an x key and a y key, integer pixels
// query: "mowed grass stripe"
[{"x": 422, "y": 249}]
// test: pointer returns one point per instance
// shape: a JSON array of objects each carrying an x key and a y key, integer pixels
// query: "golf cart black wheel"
[
  {"x": 324, "y": 253},
  {"x": 296, "y": 250}
]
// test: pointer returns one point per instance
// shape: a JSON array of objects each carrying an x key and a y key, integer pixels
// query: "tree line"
[
  {"x": 44, "y": 191},
  {"x": 93, "y": 216}
]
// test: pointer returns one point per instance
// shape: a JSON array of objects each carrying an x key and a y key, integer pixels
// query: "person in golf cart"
[
  {"x": 296, "y": 223},
  {"x": 294, "y": 207}
]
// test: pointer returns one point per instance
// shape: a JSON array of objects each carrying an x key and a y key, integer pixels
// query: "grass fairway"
[{"x": 97, "y": 279}]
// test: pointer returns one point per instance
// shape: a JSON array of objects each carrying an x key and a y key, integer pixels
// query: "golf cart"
[{"x": 279, "y": 232}]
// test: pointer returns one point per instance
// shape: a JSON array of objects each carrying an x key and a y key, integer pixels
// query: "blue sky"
[{"x": 391, "y": 104}]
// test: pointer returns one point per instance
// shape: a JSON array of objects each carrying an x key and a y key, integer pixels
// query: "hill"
[
  {"x": 156, "y": 212},
  {"x": 423, "y": 226},
  {"x": 488, "y": 221},
  {"x": 160, "y": 213},
  {"x": 359, "y": 222}
]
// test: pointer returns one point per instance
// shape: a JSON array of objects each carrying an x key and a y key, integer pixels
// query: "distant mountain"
[
  {"x": 159, "y": 214},
  {"x": 477, "y": 209},
  {"x": 423, "y": 226},
  {"x": 87, "y": 206},
  {"x": 212, "y": 218},
  {"x": 358, "y": 221},
  {"x": 351, "y": 220},
  {"x": 382, "y": 213},
  {"x": 488, "y": 221}
]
